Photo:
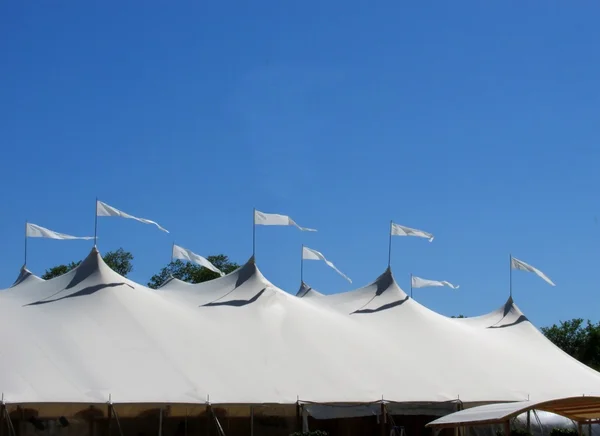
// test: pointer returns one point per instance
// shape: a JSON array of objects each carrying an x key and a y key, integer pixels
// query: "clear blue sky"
[{"x": 476, "y": 121}]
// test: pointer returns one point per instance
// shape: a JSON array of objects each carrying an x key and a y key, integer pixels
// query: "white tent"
[
  {"x": 497, "y": 357},
  {"x": 91, "y": 335}
]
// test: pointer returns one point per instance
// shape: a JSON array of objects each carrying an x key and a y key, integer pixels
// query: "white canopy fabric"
[
  {"x": 497, "y": 357},
  {"x": 577, "y": 408},
  {"x": 92, "y": 334}
]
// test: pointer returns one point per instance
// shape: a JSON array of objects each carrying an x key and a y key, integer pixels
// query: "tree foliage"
[
  {"x": 459, "y": 316},
  {"x": 578, "y": 338},
  {"x": 192, "y": 273},
  {"x": 119, "y": 261}
]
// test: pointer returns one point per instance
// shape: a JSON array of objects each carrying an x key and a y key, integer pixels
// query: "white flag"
[
  {"x": 418, "y": 282},
  {"x": 519, "y": 264},
  {"x": 310, "y": 254},
  {"x": 398, "y": 230},
  {"x": 185, "y": 254},
  {"x": 35, "y": 231},
  {"x": 274, "y": 219},
  {"x": 104, "y": 209}
]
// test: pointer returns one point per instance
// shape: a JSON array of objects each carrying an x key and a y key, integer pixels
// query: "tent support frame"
[
  {"x": 109, "y": 417},
  {"x": 298, "y": 417},
  {"x": 9, "y": 423},
  {"x": 160, "y": 421},
  {"x": 117, "y": 420}
]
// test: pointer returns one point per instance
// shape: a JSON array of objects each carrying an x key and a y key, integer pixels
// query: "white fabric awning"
[{"x": 575, "y": 408}]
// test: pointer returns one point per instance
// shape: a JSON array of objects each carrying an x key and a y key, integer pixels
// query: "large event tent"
[{"x": 91, "y": 337}]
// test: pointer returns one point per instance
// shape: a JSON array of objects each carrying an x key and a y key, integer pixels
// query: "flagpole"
[
  {"x": 96, "y": 224},
  {"x": 390, "y": 246},
  {"x": 510, "y": 274},
  {"x": 302, "y": 265},
  {"x": 25, "y": 264},
  {"x": 253, "y": 232}
]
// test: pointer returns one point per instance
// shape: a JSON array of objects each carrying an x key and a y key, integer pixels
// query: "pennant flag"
[
  {"x": 185, "y": 254},
  {"x": 398, "y": 230},
  {"x": 310, "y": 254},
  {"x": 103, "y": 209},
  {"x": 418, "y": 282},
  {"x": 274, "y": 219},
  {"x": 35, "y": 231},
  {"x": 520, "y": 265}
]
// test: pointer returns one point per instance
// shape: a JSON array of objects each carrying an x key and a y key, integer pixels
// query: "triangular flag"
[
  {"x": 398, "y": 230},
  {"x": 35, "y": 231},
  {"x": 310, "y": 254},
  {"x": 418, "y": 282},
  {"x": 520, "y": 265},
  {"x": 274, "y": 219},
  {"x": 103, "y": 209},
  {"x": 185, "y": 254}
]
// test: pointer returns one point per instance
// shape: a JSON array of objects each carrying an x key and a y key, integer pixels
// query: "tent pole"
[
  {"x": 251, "y": 421},
  {"x": 25, "y": 264},
  {"x": 254, "y": 232},
  {"x": 208, "y": 419},
  {"x": 302, "y": 265},
  {"x": 109, "y": 415},
  {"x": 9, "y": 424},
  {"x": 510, "y": 274},
  {"x": 382, "y": 420},
  {"x": 298, "y": 417},
  {"x": 2, "y": 411},
  {"x": 390, "y": 247},
  {"x": 507, "y": 428},
  {"x": 579, "y": 428},
  {"x": 529, "y": 421},
  {"x": 96, "y": 224},
  {"x": 160, "y": 422}
]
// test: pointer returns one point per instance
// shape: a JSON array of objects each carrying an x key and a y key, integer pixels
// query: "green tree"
[
  {"x": 119, "y": 261},
  {"x": 578, "y": 338},
  {"x": 192, "y": 273},
  {"x": 459, "y": 316}
]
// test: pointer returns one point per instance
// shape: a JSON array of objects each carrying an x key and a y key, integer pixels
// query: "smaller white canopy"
[{"x": 575, "y": 408}]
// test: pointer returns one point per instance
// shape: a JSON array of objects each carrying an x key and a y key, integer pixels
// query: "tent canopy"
[
  {"x": 575, "y": 408},
  {"x": 91, "y": 336}
]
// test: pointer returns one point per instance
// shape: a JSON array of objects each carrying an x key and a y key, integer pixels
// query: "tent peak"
[
  {"x": 305, "y": 291},
  {"x": 385, "y": 281},
  {"x": 25, "y": 275}
]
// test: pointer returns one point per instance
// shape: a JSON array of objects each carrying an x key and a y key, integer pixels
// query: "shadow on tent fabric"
[
  {"x": 383, "y": 282},
  {"x": 519, "y": 320},
  {"x": 381, "y": 308},
  {"x": 83, "y": 292},
  {"x": 235, "y": 303},
  {"x": 245, "y": 273}
]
